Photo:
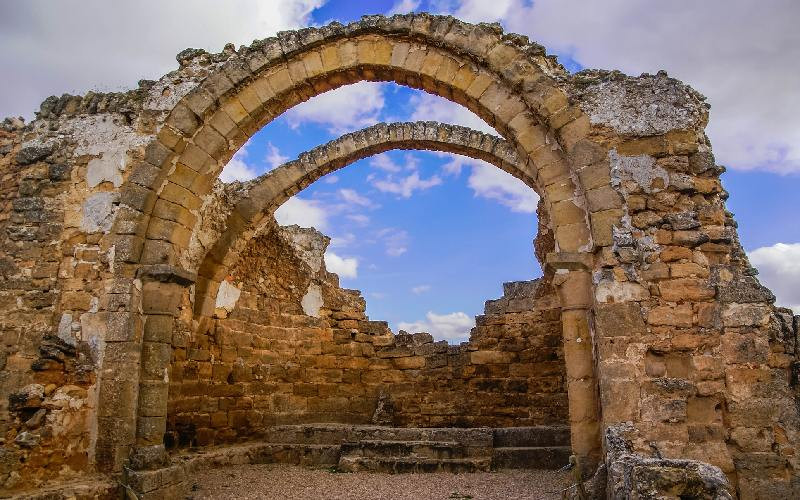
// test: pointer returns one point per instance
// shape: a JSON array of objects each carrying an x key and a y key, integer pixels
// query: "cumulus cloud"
[
  {"x": 404, "y": 7},
  {"x": 240, "y": 169},
  {"x": 345, "y": 267},
  {"x": 429, "y": 107},
  {"x": 344, "y": 240},
  {"x": 420, "y": 289},
  {"x": 341, "y": 110},
  {"x": 80, "y": 45},
  {"x": 237, "y": 169},
  {"x": 779, "y": 269},
  {"x": 274, "y": 158},
  {"x": 488, "y": 181},
  {"x": 394, "y": 240},
  {"x": 453, "y": 327},
  {"x": 738, "y": 55},
  {"x": 351, "y": 196},
  {"x": 404, "y": 186},
  {"x": 385, "y": 162},
  {"x": 304, "y": 213},
  {"x": 477, "y": 11},
  {"x": 360, "y": 219}
]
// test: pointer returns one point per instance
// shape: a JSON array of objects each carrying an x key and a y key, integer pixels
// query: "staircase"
[
  {"x": 352, "y": 448},
  {"x": 531, "y": 447}
]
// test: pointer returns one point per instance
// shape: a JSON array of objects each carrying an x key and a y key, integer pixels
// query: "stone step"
[
  {"x": 535, "y": 436},
  {"x": 435, "y": 450},
  {"x": 531, "y": 457},
  {"x": 410, "y": 465},
  {"x": 341, "y": 433},
  {"x": 296, "y": 454}
]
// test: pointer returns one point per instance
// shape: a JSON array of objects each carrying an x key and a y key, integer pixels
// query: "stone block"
[
  {"x": 680, "y": 315},
  {"x": 491, "y": 357},
  {"x": 686, "y": 289},
  {"x": 161, "y": 298},
  {"x": 153, "y": 398},
  {"x": 408, "y": 363},
  {"x": 620, "y": 320}
]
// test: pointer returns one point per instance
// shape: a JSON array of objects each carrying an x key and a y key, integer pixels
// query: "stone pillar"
[
  {"x": 573, "y": 280},
  {"x": 162, "y": 289},
  {"x": 118, "y": 385}
]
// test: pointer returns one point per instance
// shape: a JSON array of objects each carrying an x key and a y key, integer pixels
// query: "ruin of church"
[{"x": 156, "y": 321}]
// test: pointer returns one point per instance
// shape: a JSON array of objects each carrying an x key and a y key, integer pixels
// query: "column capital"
[
  {"x": 165, "y": 273},
  {"x": 569, "y": 261}
]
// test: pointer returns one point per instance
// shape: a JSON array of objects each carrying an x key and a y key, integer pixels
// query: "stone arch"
[
  {"x": 695, "y": 365},
  {"x": 504, "y": 79},
  {"x": 260, "y": 197}
]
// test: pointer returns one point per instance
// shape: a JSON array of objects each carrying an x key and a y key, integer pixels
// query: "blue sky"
[{"x": 422, "y": 241}]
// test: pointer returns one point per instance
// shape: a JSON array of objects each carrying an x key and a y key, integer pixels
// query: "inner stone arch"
[
  {"x": 344, "y": 367},
  {"x": 241, "y": 208}
]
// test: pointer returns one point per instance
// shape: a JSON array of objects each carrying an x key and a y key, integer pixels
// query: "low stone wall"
[{"x": 297, "y": 348}]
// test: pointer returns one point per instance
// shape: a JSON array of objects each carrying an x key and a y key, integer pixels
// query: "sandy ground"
[{"x": 292, "y": 482}]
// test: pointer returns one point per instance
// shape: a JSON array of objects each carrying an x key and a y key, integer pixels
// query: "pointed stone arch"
[
  {"x": 259, "y": 198},
  {"x": 504, "y": 79}
]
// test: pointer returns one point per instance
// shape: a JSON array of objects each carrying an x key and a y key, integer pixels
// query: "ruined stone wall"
[
  {"x": 297, "y": 348},
  {"x": 45, "y": 374},
  {"x": 65, "y": 311},
  {"x": 692, "y": 355},
  {"x": 663, "y": 319}
]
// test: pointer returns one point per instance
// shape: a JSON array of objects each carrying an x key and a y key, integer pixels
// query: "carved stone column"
[
  {"x": 162, "y": 289},
  {"x": 573, "y": 280}
]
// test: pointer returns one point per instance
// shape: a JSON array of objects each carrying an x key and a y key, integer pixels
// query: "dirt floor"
[{"x": 292, "y": 482}]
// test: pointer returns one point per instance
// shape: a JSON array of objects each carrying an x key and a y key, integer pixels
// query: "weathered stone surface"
[
  {"x": 109, "y": 212},
  {"x": 644, "y": 106},
  {"x": 355, "y": 366}
]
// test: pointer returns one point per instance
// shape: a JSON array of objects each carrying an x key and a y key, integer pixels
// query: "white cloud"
[
  {"x": 478, "y": 11},
  {"x": 304, "y": 213},
  {"x": 237, "y": 169},
  {"x": 457, "y": 163},
  {"x": 451, "y": 327},
  {"x": 395, "y": 241},
  {"x": 779, "y": 270},
  {"x": 488, "y": 181},
  {"x": 429, "y": 107},
  {"x": 330, "y": 179},
  {"x": 404, "y": 7},
  {"x": 420, "y": 289},
  {"x": 274, "y": 158},
  {"x": 79, "y": 45},
  {"x": 405, "y": 186},
  {"x": 741, "y": 56},
  {"x": 351, "y": 196},
  {"x": 360, "y": 219},
  {"x": 384, "y": 162},
  {"x": 343, "y": 266},
  {"x": 341, "y": 110},
  {"x": 344, "y": 240}
]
